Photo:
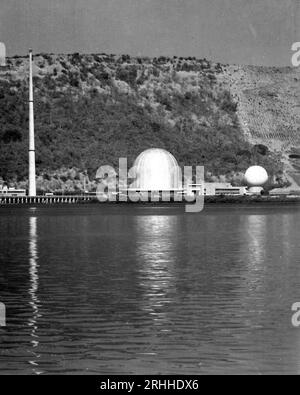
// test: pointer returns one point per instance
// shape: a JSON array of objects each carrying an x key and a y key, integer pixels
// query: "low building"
[
  {"x": 219, "y": 189},
  {"x": 11, "y": 192}
]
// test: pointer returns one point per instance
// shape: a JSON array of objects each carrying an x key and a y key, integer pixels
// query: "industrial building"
[
  {"x": 11, "y": 192},
  {"x": 223, "y": 189},
  {"x": 157, "y": 170}
]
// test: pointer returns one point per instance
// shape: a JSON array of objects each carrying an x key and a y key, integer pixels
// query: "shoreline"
[{"x": 209, "y": 200}]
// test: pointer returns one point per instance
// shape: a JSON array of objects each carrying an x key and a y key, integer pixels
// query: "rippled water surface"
[{"x": 128, "y": 289}]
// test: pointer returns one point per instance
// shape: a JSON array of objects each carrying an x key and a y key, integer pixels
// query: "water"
[{"x": 98, "y": 290}]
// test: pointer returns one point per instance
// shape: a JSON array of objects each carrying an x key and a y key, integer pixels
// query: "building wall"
[{"x": 215, "y": 188}]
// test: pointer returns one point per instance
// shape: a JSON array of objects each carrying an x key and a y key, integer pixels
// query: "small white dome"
[
  {"x": 157, "y": 170},
  {"x": 256, "y": 176}
]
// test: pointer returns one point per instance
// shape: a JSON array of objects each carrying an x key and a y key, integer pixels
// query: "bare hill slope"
[{"x": 269, "y": 110}]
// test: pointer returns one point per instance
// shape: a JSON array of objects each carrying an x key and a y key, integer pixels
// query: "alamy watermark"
[
  {"x": 296, "y": 315},
  {"x": 2, "y": 314},
  {"x": 128, "y": 185},
  {"x": 296, "y": 56},
  {"x": 296, "y": 63}
]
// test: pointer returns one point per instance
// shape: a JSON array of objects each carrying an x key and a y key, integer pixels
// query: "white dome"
[
  {"x": 157, "y": 170},
  {"x": 256, "y": 176}
]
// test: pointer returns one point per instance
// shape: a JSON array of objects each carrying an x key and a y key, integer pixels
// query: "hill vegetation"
[{"x": 90, "y": 110}]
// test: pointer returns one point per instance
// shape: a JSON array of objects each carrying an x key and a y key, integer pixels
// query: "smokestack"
[{"x": 32, "y": 180}]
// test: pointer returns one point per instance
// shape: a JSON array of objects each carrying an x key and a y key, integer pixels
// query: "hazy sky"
[{"x": 231, "y": 31}]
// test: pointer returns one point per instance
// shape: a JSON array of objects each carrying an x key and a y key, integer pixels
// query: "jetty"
[{"x": 45, "y": 200}]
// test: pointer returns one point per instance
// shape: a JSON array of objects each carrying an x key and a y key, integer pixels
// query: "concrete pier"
[{"x": 48, "y": 200}]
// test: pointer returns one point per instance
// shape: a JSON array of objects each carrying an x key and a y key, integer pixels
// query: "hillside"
[
  {"x": 92, "y": 109},
  {"x": 269, "y": 110}
]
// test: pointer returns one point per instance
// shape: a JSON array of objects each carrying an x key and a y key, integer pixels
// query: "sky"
[{"x": 257, "y": 32}]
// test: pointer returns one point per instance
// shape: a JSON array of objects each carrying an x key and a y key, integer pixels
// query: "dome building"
[
  {"x": 156, "y": 170},
  {"x": 256, "y": 177}
]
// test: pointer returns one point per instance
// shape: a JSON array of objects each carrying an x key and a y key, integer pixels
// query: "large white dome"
[
  {"x": 256, "y": 176},
  {"x": 157, "y": 170}
]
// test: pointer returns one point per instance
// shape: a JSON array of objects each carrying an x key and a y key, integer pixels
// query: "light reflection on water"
[
  {"x": 149, "y": 291},
  {"x": 33, "y": 291},
  {"x": 156, "y": 260}
]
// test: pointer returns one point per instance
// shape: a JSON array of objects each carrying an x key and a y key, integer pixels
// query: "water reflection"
[
  {"x": 33, "y": 289},
  {"x": 155, "y": 293},
  {"x": 265, "y": 287},
  {"x": 156, "y": 256},
  {"x": 256, "y": 233}
]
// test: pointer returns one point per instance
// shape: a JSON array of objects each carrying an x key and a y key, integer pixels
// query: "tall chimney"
[{"x": 32, "y": 180}]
